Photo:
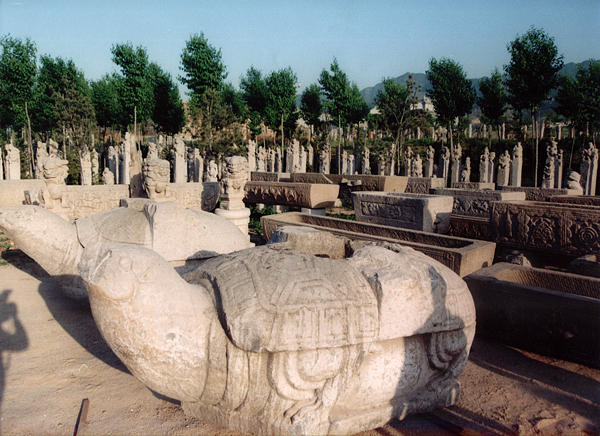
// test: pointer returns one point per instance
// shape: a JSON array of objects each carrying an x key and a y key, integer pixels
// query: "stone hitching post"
[
  {"x": 456, "y": 155},
  {"x": 13, "y": 162},
  {"x": 589, "y": 169},
  {"x": 429, "y": 162},
  {"x": 232, "y": 207},
  {"x": 516, "y": 167},
  {"x": 443, "y": 164},
  {"x": 502, "y": 178},
  {"x": 484, "y": 163}
]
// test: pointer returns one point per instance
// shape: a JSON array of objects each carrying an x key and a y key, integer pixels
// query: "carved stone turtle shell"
[{"x": 272, "y": 298}]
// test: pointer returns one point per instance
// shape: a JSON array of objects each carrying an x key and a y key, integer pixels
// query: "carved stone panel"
[{"x": 566, "y": 229}]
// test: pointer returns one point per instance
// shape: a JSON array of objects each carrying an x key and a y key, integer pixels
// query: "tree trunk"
[
  {"x": 282, "y": 130},
  {"x": 536, "y": 165},
  {"x": 29, "y": 145}
]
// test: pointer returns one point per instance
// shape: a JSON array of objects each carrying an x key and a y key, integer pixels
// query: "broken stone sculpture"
[
  {"x": 176, "y": 233},
  {"x": 274, "y": 341}
]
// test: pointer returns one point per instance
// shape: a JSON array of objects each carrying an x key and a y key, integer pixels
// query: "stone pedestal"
[
  {"x": 589, "y": 169},
  {"x": 240, "y": 217},
  {"x": 319, "y": 212}
]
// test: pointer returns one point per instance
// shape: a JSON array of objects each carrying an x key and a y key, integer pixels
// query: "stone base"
[
  {"x": 320, "y": 212},
  {"x": 240, "y": 217}
]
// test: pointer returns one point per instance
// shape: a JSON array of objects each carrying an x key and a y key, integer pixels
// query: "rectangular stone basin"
[
  {"x": 587, "y": 200},
  {"x": 461, "y": 255},
  {"x": 547, "y": 312},
  {"x": 476, "y": 202}
]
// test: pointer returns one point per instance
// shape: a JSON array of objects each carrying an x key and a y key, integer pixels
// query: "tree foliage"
[
  {"x": 134, "y": 86},
  {"x": 281, "y": 100},
  {"x": 533, "y": 69},
  {"x": 311, "y": 105},
  {"x": 105, "y": 99},
  {"x": 202, "y": 66},
  {"x": 168, "y": 113},
  {"x": 493, "y": 101},
  {"x": 451, "y": 92},
  {"x": 395, "y": 104},
  {"x": 56, "y": 78},
  {"x": 254, "y": 94},
  {"x": 343, "y": 100},
  {"x": 579, "y": 97},
  {"x": 18, "y": 69},
  {"x": 531, "y": 74},
  {"x": 74, "y": 112}
]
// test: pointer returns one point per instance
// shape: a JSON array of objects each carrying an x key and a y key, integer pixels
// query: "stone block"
[
  {"x": 476, "y": 203},
  {"x": 473, "y": 185},
  {"x": 310, "y": 241},
  {"x": 12, "y": 192},
  {"x": 547, "y": 312},
  {"x": 263, "y": 176},
  {"x": 588, "y": 265},
  {"x": 463, "y": 256},
  {"x": 587, "y": 200},
  {"x": 311, "y": 196},
  {"x": 422, "y": 185},
  {"x": 567, "y": 229},
  {"x": 428, "y": 213},
  {"x": 538, "y": 194},
  {"x": 470, "y": 227}
]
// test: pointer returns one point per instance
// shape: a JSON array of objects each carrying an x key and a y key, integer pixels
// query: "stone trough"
[
  {"x": 354, "y": 183},
  {"x": 304, "y": 195},
  {"x": 461, "y": 255},
  {"x": 544, "y": 311}
]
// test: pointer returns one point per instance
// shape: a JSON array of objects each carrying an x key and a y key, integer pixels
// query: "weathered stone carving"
[
  {"x": 589, "y": 169},
  {"x": 573, "y": 182},
  {"x": 156, "y": 174},
  {"x": 484, "y": 163},
  {"x": 429, "y": 162},
  {"x": 562, "y": 228},
  {"x": 503, "y": 175},
  {"x": 465, "y": 174},
  {"x": 310, "y": 196},
  {"x": 468, "y": 202},
  {"x": 176, "y": 233},
  {"x": 235, "y": 176},
  {"x": 417, "y": 166},
  {"x": 422, "y": 185},
  {"x": 297, "y": 344},
  {"x": 108, "y": 177},
  {"x": 12, "y": 164},
  {"x": 428, "y": 213},
  {"x": 516, "y": 168},
  {"x": 85, "y": 159}
]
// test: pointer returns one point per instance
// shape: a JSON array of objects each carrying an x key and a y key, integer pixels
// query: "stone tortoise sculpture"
[
  {"x": 178, "y": 234},
  {"x": 269, "y": 340}
]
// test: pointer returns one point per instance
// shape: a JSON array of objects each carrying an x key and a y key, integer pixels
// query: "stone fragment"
[
  {"x": 310, "y": 241},
  {"x": 428, "y": 213},
  {"x": 311, "y": 196},
  {"x": 272, "y": 341}
]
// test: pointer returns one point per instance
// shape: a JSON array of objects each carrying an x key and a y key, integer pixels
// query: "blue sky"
[{"x": 370, "y": 39}]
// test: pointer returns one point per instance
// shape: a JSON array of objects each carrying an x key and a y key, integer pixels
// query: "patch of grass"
[
  {"x": 4, "y": 247},
  {"x": 343, "y": 216},
  {"x": 255, "y": 215}
]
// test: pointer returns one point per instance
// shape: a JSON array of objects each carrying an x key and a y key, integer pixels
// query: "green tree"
[
  {"x": 493, "y": 102},
  {"x": 254, "y": 95},
  {"x": 281, "y": 99},
  {"x": 105, "y": 99},
  {"x": 311, "y": 105},
  {"x": 451, "y": 92},
  {"x": 134, "y": 86},
  {"x": 17, "y": 79},
  {"x": 74, "y": 112},
  {"x": 202, "y": 66},
  {"x": 54, "y": 77},
  {"x": 395, "y": 104},
  {"x": 204, "y": 75},
  {"x": 530, "y": 76},
  {"x": 168, "y": 113},
  {"x": 342, "y": 97}
]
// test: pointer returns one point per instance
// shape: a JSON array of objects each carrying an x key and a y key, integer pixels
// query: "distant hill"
[{"x": 369, "y": 93}]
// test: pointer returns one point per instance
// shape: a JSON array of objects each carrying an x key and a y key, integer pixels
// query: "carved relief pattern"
[
  {"x": 394, "y": 212},
  {"x": 573, "y": 232}
]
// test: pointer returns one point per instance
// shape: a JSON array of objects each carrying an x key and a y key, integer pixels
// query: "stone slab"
[
  {"x": 422, "y": 185},
  {"x": 263, "y": 176},
  {"x": 538, "y": 194},
  {"x": 544, "y": 311},
  {"x": 461, "y": 255},
  {"x": 12, "y": 192},
  {"x": 567, "y": 229},
  {"x": 428, "y": 213},
  {"x": 76, "y": 201},
  {"x": 473, "y": 185},
  {"x": 587, "y": 200},
  {"x": 307, "y": 195},
  {"x": 470, "y": 227},
  {"x": 475, "y": 202},
  {"x": 201, "y": 196}
]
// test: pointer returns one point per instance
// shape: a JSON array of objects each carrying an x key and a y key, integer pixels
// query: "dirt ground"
[{"x": 53, "y": 357}]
